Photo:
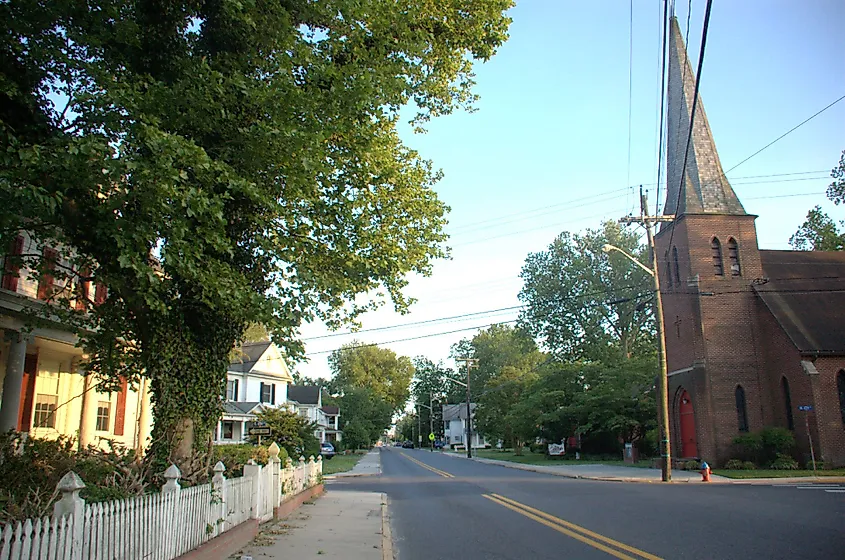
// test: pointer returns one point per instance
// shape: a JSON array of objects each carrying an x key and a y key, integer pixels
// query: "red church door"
[{"x": 689, "y": 444}]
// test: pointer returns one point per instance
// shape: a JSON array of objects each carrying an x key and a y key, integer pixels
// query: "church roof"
[
  {"x": 704, "y": 189},
  {"x": 805, "y": 293}
]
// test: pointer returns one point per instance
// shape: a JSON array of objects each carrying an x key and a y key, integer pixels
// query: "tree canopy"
[
  {"x": 221, "y": 163},
  {"x": 363, "y": 366},
  {"x": 819, "y": 233},
  {"x": 581, "y": 303}
]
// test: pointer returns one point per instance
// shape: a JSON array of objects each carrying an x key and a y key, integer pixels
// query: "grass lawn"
[
  {"x": 340, "y": 463},
  {"x": 530, "y": 458},
  {"x": 763, "y": 473}
]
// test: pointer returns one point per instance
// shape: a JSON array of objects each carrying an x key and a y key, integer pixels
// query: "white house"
[
  {"x": 308, "y": 402},
  {"x": 255, "y": 381},
  {"x": 455, "y": 426}
]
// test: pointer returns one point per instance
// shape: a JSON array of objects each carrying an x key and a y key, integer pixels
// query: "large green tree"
[
  {"x": 430, "y": 388},
  {"x": 581, "y": 303},
  {"x": 364, "y": 416},
  {"x": 365, "y": 366},
  {"x": 819, "y": 233},
  {"x": 217, "y": 163}
]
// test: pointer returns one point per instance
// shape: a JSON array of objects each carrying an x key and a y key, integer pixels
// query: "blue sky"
[{"x": 547, "y": 150}]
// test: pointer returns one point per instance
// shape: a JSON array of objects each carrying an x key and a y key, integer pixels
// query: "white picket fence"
[{"x": 159, "y": 526}]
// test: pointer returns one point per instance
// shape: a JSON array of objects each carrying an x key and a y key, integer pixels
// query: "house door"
[
  {"x": 30, "y": 371},
  {"x": 689, "y": 444}
]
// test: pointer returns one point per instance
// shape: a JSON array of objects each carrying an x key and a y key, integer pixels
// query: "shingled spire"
[{"x": 705, "y": 189}]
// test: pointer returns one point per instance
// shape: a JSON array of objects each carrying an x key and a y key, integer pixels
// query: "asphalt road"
[{"x": 451, "y": 508}]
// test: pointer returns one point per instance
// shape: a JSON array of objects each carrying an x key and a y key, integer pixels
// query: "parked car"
[
  {"x": 408, "y": 444},
  {"x": 397, "y": 444},
  {"x": 327, "y": 450},
  {"x": 438, "y": 444}
]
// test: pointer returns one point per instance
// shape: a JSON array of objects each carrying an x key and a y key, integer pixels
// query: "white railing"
[{"x": 158, "y": 526}]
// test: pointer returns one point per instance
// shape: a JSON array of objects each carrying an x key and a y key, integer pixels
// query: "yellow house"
[{"x": 44, "y": 390}]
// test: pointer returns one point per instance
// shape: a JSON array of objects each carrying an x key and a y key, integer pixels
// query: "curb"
[
  {"x": 525, "y": 467},
  {"x": 386, "y": 535}
]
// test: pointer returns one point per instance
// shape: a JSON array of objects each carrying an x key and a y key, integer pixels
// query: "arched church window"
[
  {"x": 668, "y": 270},
  {"x": 787, "y": 401},
  {"x": 716, "y": 248},
  {"x": 733, "y": 257},
  {"x": 840, "y": 383},
  {"x": 741, "y": 411},
  {"x": 677, "y": 268}
]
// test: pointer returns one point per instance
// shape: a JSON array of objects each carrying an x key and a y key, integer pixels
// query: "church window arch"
[
  {"x": 733, "y": 257},
  {"x": 741, "y": 409},
  {"x": 840, "y": 384},
  {"x": 669, "y": 270},
  {"x": 787, "y": 401},
  {"x": 677, "y": 267},
  {"x": 716, "y": 249}
]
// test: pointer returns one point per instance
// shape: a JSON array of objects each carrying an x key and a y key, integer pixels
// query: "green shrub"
[
  {"x": 784, "y": 463},
  {"x": 537, "y": 447},
  {"x": 692, "y": 466},
  {"x": 776, "y": 442},
  {"x": 235, "y": 456},
  {"x": 749, "y": 466},
  {"x": 31, "y": 468},
  {"x": 735, "y": 465},
  {"x": 748, "y": 446}
]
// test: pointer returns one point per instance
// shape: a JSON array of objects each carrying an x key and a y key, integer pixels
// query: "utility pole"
[
  {"x": 419, "y": 429},
  {"x": 471, "y": 363},
  {"x": 663, "y": 380},
  {"x": 431, "y": 418}
]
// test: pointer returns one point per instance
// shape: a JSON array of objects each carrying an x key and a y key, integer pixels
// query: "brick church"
[{"x": 753, "y": 336}]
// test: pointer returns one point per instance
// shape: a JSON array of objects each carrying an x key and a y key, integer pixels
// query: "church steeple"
[{"x": 705, "y": 189}]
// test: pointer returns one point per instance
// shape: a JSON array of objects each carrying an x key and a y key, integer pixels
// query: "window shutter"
[
  {"x": 273, "y": 394},
  {"x": 120, "y": 413},
  {"x": 11, "y": 268},
  {"x": 100, "y": 294},
  {"x": 261, "y": 392}
]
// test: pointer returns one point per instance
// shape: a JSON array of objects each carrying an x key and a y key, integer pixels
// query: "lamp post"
[
  {"x": 430, "y": 408},
  {"x": 663, "y": 380}
]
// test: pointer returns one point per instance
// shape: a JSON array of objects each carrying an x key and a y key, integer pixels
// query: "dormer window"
[
  {"x": 716, "y": 249},
  {"x": 733, "y": 257}
]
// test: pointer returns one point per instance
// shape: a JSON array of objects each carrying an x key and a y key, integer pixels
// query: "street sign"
[
  {"x": 431, "y": 436},
  {"x": 259, "y": 431},
  {"x": 259, "y": 424},
  {"x": 805, "y": 408}
]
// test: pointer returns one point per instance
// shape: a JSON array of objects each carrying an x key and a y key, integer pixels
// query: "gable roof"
[
  {"x": 457, "y": 411},
  {"x": 304, "y": 394},
  {"x": 331, "y": 410},
  {"x": 234, "y": 407},
  {"x": 805, "y": 293},
  {"x": 252, "y": 352}
]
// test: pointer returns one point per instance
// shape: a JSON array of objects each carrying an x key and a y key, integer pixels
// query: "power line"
[
  {"x": 791, "y": 130},
  {"x": 630, "y": 81},
  {"x": 662, "y": 103}
]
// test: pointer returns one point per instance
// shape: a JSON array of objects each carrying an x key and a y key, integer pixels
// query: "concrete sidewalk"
[
  {"x": 602, "y": 472},
  {"x": 339, "y": 524},
  {"x": 369, "y": 465}
]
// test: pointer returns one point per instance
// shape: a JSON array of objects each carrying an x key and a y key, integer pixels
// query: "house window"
[
  {"x": 10, "y": 266},
  {"x": 733, "y": 257},
  {"x": 716, "y": 248},
  {"x": 741, "y": 411},
  {"x": 103, "y": 410},
  {"x": 232, "y": 390},
  {"x": 83, "y": 289},
  {"x": 268, "y": 393},
  {"x": 677, "y": 266},
  {"x": 45, "y": 283},
  {"x": 840, "y": 383},
  {"x": 45, "y": 411},
  {"x": 787, "y": 401},
  {"x": 228, "y": 430}
]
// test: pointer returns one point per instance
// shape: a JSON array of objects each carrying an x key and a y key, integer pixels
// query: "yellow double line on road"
[
  {"x": 444, "y": 474},
  {"x": 605, "y": 544}
]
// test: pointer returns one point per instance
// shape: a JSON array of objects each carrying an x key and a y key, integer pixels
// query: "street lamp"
[
  {"x": 663, "y": 380},
  {"x": 430, "y": 408}
]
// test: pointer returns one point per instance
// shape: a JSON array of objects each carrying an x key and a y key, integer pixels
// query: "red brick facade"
[{"x": 720, "y": 336}]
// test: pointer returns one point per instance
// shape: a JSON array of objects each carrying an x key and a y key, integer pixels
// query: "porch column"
[
  {"x": 11, "y": 403},
  {"x": 88, "y": 416},
  {"x": 144, "y": 419}
]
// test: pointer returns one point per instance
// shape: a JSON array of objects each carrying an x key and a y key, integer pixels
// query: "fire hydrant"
[{"x": 705, "y": 472}]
